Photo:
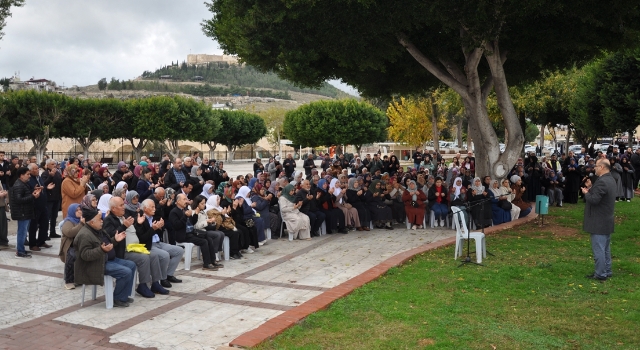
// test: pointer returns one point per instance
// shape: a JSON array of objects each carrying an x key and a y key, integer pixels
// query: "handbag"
[
  {"x": 505, "y": 204},
  {"x": 249, "y": 223},
  {"x": 415, "y": 204}
]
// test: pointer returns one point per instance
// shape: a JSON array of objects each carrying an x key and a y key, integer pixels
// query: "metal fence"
[{"x": 115, "y": 157}]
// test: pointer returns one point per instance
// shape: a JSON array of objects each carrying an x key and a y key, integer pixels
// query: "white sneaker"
[
  {"x": 413, "y": 227},
  {"x": 441, "y": 223},
  {"x": 628, "y": 200}
]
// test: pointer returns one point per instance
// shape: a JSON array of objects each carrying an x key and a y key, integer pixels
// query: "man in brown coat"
[{"x": 95, "y": 258}]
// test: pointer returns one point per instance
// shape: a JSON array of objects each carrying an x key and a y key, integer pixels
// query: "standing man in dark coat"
[
  {"x": 600, "y": 200},
  {"x": 22, "y": 204},
  {"x": 308, "y": 165},
  {"x": 51, "y": 174},
  {"x": 39, "y": 226},
  {"x": 635, "y": 162},
  {"x": 289, "y": 165}
]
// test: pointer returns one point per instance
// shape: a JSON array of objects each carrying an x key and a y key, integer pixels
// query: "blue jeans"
[
  {"x": 440, "y": 211},
  {"x": 23, "y": 228},
  {"x": 601, "y": 247},
  {"x": 123, "y": 271}
]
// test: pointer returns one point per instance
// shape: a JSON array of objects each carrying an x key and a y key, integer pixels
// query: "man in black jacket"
[
  {"x": 123, "y": 173},
  {"x": 176, "y": 176},
  {"x": 40, "y": 223},
  {"x": 309, "y": 207},
  {"x": 163, "y": 208},
  {"x": 289, "y": 165},
  {"x": 114, "y": 223},
  {"x": 169, "y": 256},
  {"x": 22, "y": 205},
  {"x": 180, "y": 219},
  {"x": 51, "y": 174},
  {"x": 308, "y": 164}
]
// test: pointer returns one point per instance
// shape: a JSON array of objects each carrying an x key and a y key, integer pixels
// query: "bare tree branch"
[{"x": 442, "y": 75}]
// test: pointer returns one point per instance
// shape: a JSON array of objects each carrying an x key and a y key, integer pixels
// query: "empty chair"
[
  {"x": 188, "y": 249},
  {"x": 462, "y": 234}
]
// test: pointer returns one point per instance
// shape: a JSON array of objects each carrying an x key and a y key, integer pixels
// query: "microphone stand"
[{"x": 467, "y": 259}]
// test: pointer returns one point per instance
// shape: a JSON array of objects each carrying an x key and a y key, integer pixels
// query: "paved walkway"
[{"x": 207, "y": 311}]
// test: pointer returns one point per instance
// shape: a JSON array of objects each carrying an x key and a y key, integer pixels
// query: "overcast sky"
[{"x": 78, "y": 42}]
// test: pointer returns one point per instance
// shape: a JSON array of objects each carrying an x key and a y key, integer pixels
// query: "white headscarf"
[
  {"x": 244, "y": 193},
  {"x": 120, "y": 186},
  {"x": 212, "y": 203},
  {"x": 205, "y": 191},
  {"x": 336, "y": 190},
  {"x": 457, "y": 194},
  {"x": 103, "y": 203}
]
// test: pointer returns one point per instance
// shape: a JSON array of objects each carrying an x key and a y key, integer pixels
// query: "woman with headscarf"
[
  {"x": 501, "y": 212},
  {"x": 480, "y": 209},
  {"x": 438, "y": 201},
  {"x": 505, "y": 190},
  {"x": 380, "y": 212},
  {"x": 145, "y": 186},
  {"x": 72, "y": 188},
  {"x": 394, "y": 200},
  {"x": 71, "y": 225},
  {"x": 518, "y": 190},
  {"x": 262, "y": 200},
  {"x": 122, "y": 185},
  {"x": 458, "y": 199},
  {"x": 224, "y": 223},
  {"x": 627, "y": 177},
  {"x": 102, "y": 177},
  {"x": 572, "y": 173},
  {"x": 207, "y": 190},
  {"x": 351, "y": 217},
  {"x": 552, "y": 186},
  {"x": 249, "y": 209},
  {"x": 357, "y": 166},
  {"x": 89, "y": 201},
  {"x": 335, "y": 218},
  {"x": 355, "y": 197},
  {"x": 164, "y": 167},
  {"x": 414, "y": 200},
  {"x": 297, "y": 223},
  {"x": 535, "y": 174},
  {"x": 394, "y": 165},
  {"x": 103, "y": 204}
]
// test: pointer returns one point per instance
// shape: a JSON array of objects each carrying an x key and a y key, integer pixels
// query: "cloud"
[{"x": 78, "y": 42}]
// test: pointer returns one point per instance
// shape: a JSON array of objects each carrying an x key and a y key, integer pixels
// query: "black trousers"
[
  {"x": 334, "y": 219},
  {"x": 205, "y": 247},
  {"x": 234, "y": 241},
  {"x": 53, "y": 207},
  {"x": 40, "y": 225},
  {"x": 315, "y": 219}
]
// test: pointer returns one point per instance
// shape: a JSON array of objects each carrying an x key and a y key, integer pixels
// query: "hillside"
[{"x": 222, "y": 74}]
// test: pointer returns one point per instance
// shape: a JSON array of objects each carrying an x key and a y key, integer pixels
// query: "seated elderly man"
[
  {"x": 169, "y": 256},
  {"x": 114, "y": 223},
  {"x": 96, "y": 258}
]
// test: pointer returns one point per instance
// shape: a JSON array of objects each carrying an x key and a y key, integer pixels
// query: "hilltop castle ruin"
[{"x": 196, "y": 59}]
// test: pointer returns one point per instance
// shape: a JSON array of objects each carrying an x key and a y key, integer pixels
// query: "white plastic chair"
[
  {"x": 109, "y": 287},
  {"x": 188, "y": 249},
  {"x": 432, "y": 220},
  {"x": 424, "y": 223},
  {"x": 323, "y": 228},
  {"x": 267, "y": 233},
  {"x": 462, "y": 234}
]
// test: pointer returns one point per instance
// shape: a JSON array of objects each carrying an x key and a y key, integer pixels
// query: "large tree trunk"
[
  {"x": 174, "y": 148},
  {"x": 434, "y": 124},
  {"x": 459, "y": 132},
  {"x": 40, "y": 146},
  {"x": 542, "y": 136},
  {"x": 137, "y": 149},
  {"x": 86, "y": 144},
  {"x": 474, "y": 95}
]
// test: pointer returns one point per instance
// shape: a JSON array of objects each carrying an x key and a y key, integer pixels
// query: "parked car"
[
  {"x": 529, "y": 148},
  {"x": 576, "y": 149}
]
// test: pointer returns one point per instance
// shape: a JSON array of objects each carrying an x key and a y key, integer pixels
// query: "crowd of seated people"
[{"x": 156, "y": 207}]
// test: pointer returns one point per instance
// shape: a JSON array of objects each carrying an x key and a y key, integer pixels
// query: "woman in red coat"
[{"x": 414, "y": 205}]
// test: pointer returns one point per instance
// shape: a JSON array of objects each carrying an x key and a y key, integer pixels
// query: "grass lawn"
[{"x": 532, "y": 294}]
